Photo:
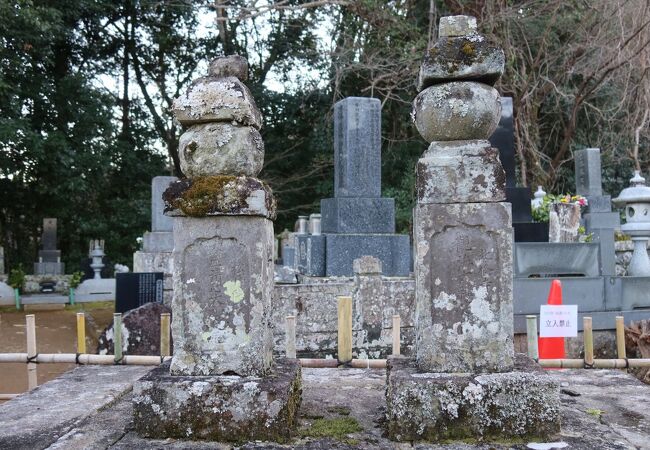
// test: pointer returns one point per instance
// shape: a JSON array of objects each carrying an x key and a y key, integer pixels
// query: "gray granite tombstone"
[
  {"x": 49, "y": 258},
  {"x": 598, "y": 218},
  {"x": 358, "y": 221},
  {"x": 157, "y": 244},
  {"x": 160, "y": 238}
]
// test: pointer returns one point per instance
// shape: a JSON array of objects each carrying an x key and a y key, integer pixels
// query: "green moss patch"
[{"x": 337, "y": 428}]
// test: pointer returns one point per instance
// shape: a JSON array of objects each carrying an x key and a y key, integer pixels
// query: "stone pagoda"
[
  {"x": 222, "y": 383},
  {"x": 465, "y": 380}
]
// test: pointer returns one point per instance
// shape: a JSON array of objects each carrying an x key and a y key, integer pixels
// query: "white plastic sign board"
[{"x": 558, "y": 321}]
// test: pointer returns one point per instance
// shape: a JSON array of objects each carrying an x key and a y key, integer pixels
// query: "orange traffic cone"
[{"x": 553, "y": 347}]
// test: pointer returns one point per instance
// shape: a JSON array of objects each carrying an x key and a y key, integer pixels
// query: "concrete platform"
[{"x": 600, "y": 409}]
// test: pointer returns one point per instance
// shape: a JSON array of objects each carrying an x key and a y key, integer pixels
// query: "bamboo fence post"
[
  {"x": 164, "y": 334},
  {"x": 531, "y": 335},
  {"x": 32, "y": 375},
  {"x": 344, "y": 330},
  {"x": 81, "y": 332},
  {"x": 290, "y": 344},
  {"x": 117, "y": 338},
  {"x": 620, "y": 337},
  {"x": 396, "y": 334},
  {"x": 588, "y": 336}
]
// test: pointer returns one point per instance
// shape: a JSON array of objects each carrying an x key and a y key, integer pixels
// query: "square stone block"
[
  {"x": 160, "y": 222},
  {"x": 49, "y": 268},
  {"x": 610, "y": 220},
  {"x": 158, "y": 241},
  {"x": 460, "y": 171},
  {"x": 311, "y": 255},
  {"x": 519, "y": 198},
  {"x": 599, "y": 204},
  {"x": 393, "y": 250},
  {"x": 288, "y": 256},
  {"x": 224, "y": 408},
  {"x": 530, "y": 231},
  {"x": 153, "y": 262},
  {"x": 358, "y": 215},
  {"x": 49, "y": 255},
  {"x": 439, "y": 407},
  {"x": 463, "y": 287},
  {"x": 223, "y": 285}
]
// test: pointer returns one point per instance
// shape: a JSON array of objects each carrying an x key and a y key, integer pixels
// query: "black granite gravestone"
[
  {"x": 135, "y": 289},
  {"x": 519, "y": 197}
]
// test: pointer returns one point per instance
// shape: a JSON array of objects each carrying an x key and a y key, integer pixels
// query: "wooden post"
[
  {"x": 32, "y": 379},
  {"x": 344, "y": 330},
  {"x": 81, "y": 332},
  {"x": 164, "y": 334},
  {"x": 588, "y": 336},
  {"x": 117, "y": 338},
  {"x": 620, "y": 337},
  {"x": 396, "y": 334},
  {"x": 290, "y": 337},
  {"x": 531, "y": 334}
]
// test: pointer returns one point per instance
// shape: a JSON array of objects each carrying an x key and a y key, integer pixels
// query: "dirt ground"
[{"x": 56, "y": 332}]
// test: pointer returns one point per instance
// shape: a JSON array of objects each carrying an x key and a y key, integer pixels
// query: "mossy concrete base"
[
  {"x": 218, "y": 408},
  {"x": 439, "y": 407}
]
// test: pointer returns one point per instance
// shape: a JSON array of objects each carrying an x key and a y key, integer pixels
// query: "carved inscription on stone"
[{"x": 221, "y": 288}]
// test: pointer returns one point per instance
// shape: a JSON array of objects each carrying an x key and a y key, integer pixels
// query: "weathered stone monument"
[
  {"x": 2, "y": 260},
  {"x": 465, "y": 380},
  {"x": 157, "y": 245},
  {"x": 222, "y": 383},
  {"x": 358, "y": 221},
  {"x": 49, "y": 258}
]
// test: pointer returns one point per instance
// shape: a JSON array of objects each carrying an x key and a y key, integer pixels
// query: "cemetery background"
[
  {"x": 89, "y": 161},
  {"x": 361, "y": 275}
]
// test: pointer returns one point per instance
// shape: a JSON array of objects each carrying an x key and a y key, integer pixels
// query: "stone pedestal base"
[
  {"x": 49, "y": 268},
  {"x": 393, "y": 250},
  {"x": 218, "y": 407},
  {"x": 439, "y": 407}
]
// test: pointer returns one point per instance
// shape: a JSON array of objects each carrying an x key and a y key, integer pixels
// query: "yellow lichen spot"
[
  {"x": 205, "y": 336},
  {"x": 234, "y": 291},
  {"x": 468, "y": 49}
]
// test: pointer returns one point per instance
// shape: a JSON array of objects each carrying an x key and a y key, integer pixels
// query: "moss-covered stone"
[
  {"x": 337, "y": 428},
  {"x": 220, "y": 195},
  {"x": 219, "y": 408},
  {"x": 466, "y": 58},
  {"x": 439, "y": 407}
]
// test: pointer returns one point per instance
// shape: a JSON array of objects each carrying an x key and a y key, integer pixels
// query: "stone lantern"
[
  {"x": 96, "y": 252},
  {"x": 636, "y": 201}
]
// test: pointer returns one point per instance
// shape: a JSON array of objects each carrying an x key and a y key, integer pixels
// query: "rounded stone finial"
[
  {"x": 229, "y": 66},
  {"x": 451, "y": 26}
]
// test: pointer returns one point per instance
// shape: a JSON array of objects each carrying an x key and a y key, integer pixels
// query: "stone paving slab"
[
  {"x": 609, "y": 412},
  {"x": 38, "y": 418}
]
